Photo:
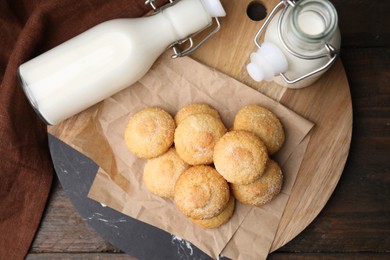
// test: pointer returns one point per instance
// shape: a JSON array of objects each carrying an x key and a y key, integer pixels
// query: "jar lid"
[{"x": 266, "y": 63}]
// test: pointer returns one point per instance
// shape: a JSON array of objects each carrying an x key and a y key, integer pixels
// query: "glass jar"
[{"x": 302, "y": 39}]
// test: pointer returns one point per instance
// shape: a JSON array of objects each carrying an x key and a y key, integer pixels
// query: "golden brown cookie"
[
  {"x": 161, "y": 173},
  {"x": 263, "y": 189},
  {"x": 195, "y": 108},
  {"x": 220, "y": 219},
  {"x": 150, "y": 132},
  {"x": 240, "y": 157},
  {"x": 200, "y": 192},
  {"x": 196, "y": 136},
  {"x": 263, "y": 123}
]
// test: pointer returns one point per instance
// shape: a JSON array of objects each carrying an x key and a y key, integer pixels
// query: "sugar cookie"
[
  {"x": 262, "y": 190},
  {"x": 150, "y": 132},
  {"x": 201, "y": 192},
  {"x": 263, "y": 123},
  {"x": 196, "y": 136},
  {"x": 161, "y": 173},
  {"x": 220, "y": 219},
  {"x": 195, "y": 108},
  {"x": 240, "y": 157}
]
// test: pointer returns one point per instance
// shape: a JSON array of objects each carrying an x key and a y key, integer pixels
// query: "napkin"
[{"x": 28, "y": 28}]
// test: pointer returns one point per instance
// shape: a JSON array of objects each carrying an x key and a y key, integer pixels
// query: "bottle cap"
[
  {"x": 266, "y": 63},
  {"x": 214, "y": 7}
]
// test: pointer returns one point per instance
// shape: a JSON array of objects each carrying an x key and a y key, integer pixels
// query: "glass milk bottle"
[
  {"x": 301, "y": 42},
  {"x": 110, "y": 57}
]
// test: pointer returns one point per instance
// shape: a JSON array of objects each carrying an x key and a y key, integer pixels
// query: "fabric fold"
[{"x": 27, "y": 29}]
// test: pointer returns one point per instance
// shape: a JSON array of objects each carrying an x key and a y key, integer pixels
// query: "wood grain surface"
[
  {"x": 327, "y": 103},
  {"x": 355, "y": 222}
]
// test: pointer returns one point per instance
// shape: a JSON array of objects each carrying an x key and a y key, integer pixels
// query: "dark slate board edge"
[{"x": 76, "y": 173}]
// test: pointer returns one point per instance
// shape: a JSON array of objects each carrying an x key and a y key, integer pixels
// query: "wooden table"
[{"x": 355, "y": 221}]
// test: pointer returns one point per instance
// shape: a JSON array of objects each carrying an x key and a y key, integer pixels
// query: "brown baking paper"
[
  {"x": 254, "y": 237},
  {"x": 171, "y": 84}
]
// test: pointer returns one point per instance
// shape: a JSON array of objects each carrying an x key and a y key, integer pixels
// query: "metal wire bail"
[
  {"x": 175, "y": 45},
  {"x": 192, "y": 47}
]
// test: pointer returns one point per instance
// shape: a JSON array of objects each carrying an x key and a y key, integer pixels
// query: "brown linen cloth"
[{"x": 28, "y": 28}]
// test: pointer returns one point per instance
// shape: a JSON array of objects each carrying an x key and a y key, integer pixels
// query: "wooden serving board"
[{"x": 327, "y": 103}]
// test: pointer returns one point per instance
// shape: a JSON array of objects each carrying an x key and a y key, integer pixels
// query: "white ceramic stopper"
[
  {"x": 214, "y": 7},
  {"x": 266, "y": 63}
]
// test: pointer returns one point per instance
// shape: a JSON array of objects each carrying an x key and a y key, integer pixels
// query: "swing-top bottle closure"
[
  {"x": 269, "y": 61},
  {"x": 213, "y": 7}
]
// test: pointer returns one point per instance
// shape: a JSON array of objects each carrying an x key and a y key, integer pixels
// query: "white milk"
[
  {"x": 311, "y": 23},
  {"x": 105, "y": 59}
]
